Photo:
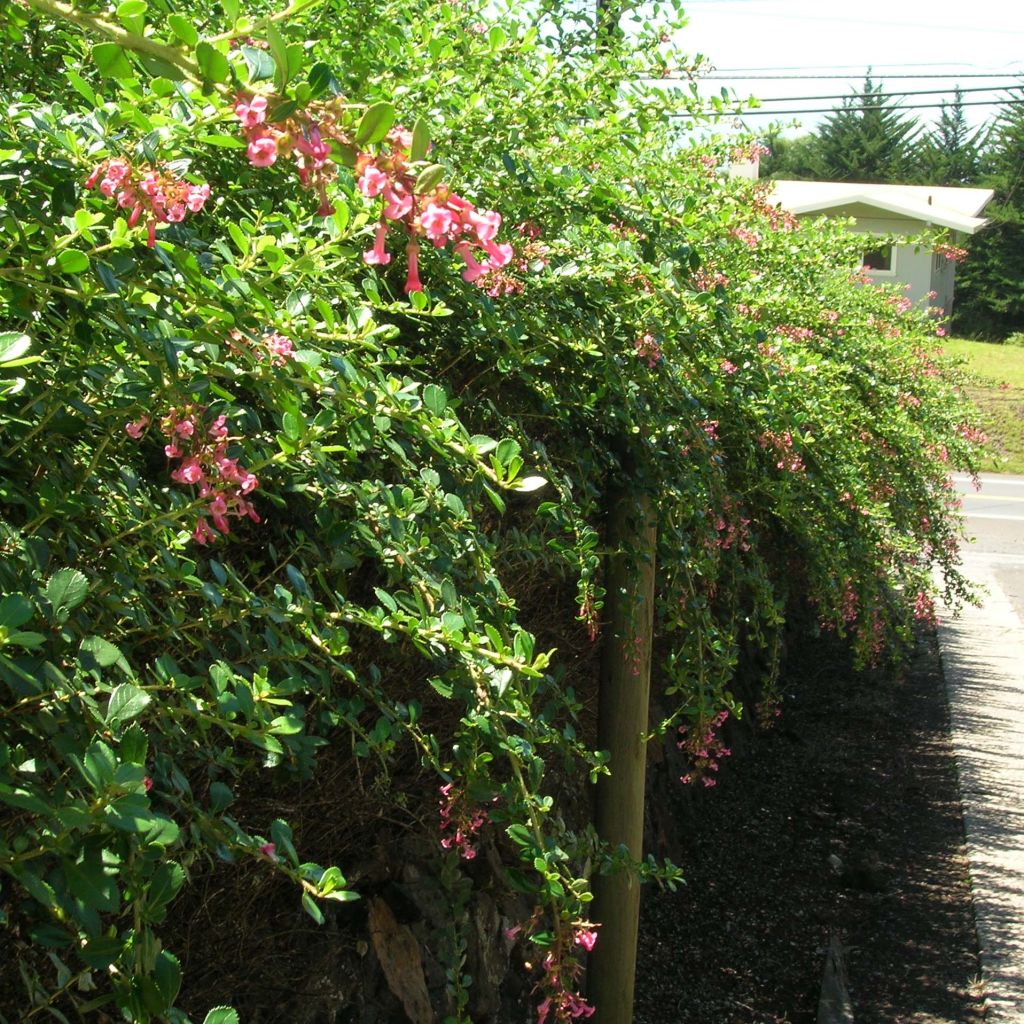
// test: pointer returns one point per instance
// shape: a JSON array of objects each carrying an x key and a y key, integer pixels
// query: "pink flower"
[
  {"x": 137, "y": 428},
  {"x": 726, "y": 367},
  {"x": 437, "y": 222},
  {"x": 412, "y": 281},
  {"x": 189, "y": 472},
  {"x": 248, "y": 483},
  {"x": 262, "y": 152},
  {"x": 397, "y": 202},
  {"x": 197, "y": 196},
  {"x": 218, "y": 429},
  {"x": 378, "y": 255},
  {"x": 269, "y": 850},
  {"x": 485, "y": 223},
  {"x": 202, "y": 533},
  {"x": 473, "y": 269},
  {"x": 500, "y": 255},
  {"x": 253, "y": 112},
  {"x": 372, "y": 181},
  {"x": 147, "y": 783},
  {"x": 587, "y": 939}
]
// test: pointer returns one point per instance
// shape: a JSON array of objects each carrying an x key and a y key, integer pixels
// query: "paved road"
[
  {"x": 983, "y": 661},
  {"x": 995, "y": 518}
]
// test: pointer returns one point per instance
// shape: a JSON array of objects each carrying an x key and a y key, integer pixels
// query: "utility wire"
[
  {"x": 829, "y": 110},
  {"x": 719, "y": 76},
  {"x": 888, "y": 95}
]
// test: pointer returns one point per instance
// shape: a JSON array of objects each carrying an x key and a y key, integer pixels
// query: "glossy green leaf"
[
  {"x": 183, "y": 28},
  {"x": 375, "y": 123},
  {"x": 126, "y": 702}
]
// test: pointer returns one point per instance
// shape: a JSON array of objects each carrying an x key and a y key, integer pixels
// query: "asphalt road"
[{"x": 995, "y": 521}]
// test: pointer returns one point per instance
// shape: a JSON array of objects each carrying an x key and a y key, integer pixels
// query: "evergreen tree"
[
  {"x": 868, "y": 138},
  {"x": 790, "y": 158},
  {"x": 990, "y": 285},
  {"x": 952, "y": 154}
]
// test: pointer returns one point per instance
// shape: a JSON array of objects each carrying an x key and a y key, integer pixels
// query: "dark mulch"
[{"x": 845, "y": 817}]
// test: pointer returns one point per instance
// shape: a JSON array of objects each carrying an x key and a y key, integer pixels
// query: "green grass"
[{"x": 999, "y": 395}]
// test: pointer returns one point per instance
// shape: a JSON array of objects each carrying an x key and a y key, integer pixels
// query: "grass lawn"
[{"x": 999, "y": 394}]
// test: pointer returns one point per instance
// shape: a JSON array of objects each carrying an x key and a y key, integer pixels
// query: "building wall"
[{"x": 911, "y": 264}]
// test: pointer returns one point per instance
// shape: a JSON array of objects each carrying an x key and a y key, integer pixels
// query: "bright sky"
[{"x": 896, "y": 37}]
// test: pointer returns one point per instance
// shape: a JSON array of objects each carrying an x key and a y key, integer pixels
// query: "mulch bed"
[{"x": 845, "y": 817}]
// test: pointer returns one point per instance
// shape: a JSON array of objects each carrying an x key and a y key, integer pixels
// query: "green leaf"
[
  {"x": 134, "y": 745},
  {"x": 279, "y": 51},
  {"x": 259, "y": 64},
  {"x": 375, "y": 123},
  {"x": 183, "y": 28},
  {"x": 220, "y": 797},
  {"x": 321, "y": 79},
  {"x": 72, "y": 261},
  {"x": 13, "y": 346},
  {"x": 15, "y": 611},
  {"x": 167, "y": 976},
  {"x": 428, "y": 179},
  {"x": 168, "y": 878},
  {"x": 65, "y": 591},
  {"x": 221, "y": 1015},
  {"x": 133, "y": 15},
  {"x": 298, "y": 301},
  {"x": 99, "y": 653},
  {"x": 530, "y": 483},
  {"x": 420, "y": 140},
  {"x": 111, "y": 61},
  {"x": 87, "y": 882},
  {"x": 126, "y": 702},
  {"x": 99, "y": 765},
  {"x": 435, "y": 399},
  {"x": 310, "y": 907},
  {"x": 497, "y": 37},
  {"x": 222, "y": 141},
  {"x": 212, "y": 63}
]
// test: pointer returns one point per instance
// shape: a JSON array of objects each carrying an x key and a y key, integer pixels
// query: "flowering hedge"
[{"x": 258, "y": 430}]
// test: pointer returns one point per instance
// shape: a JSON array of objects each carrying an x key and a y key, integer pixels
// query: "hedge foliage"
[{"x": 244, "y": 473}]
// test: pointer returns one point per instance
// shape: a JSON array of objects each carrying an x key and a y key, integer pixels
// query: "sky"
[{"x": 943, "y": 40}]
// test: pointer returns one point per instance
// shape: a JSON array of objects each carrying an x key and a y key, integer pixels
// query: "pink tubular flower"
[
  {"x": 485, "y": 223},
  {"x": 202, "y": 533},
  {"x": 189, "y": 472},
  {"x": 262, "y": 152},
  {"x": 269, "y": 850},
  {"x": 474, "y": 269},
  {"x": 378, "y": 255},
  {"x": 587, "y": 938},
  {"x": 727, "y": 367},
  {"x": 137, "y": 428},
  {"x": 412, "y": 280}
]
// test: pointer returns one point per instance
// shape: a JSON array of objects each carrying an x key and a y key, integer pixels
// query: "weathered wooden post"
[{"x": 622, "y": 725}]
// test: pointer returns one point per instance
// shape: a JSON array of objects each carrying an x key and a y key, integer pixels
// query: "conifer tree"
[
  {"x": 990, "y": 285},
  {"x": 953, "y": 150},
  {"x": 868, "y": 138}
]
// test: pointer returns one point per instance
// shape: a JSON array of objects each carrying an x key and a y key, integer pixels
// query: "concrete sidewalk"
[{"x": 983, "y": 664}]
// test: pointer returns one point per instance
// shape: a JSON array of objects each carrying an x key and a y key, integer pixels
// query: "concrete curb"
[{"x": 983, "y": 666}]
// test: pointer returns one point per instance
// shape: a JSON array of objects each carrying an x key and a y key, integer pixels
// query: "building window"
[{"x": 879, "y": 259}]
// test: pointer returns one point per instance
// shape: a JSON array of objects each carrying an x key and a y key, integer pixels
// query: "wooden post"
[{"x": 622, "y": 724}]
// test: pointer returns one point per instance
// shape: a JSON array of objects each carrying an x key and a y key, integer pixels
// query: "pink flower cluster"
[
  {"x": 728, "y": 367},
  {"x": 149, "y": 193},
  {"x": 952, "y": 252},
  {"x": 924, "y": 608},
  {"x": 704, "y": 748},
  {"x": 747, "y": 236},
  {"x": 203, "y": 462},
  {"x": 561, "y": 1004},
  {"x": 648, "y": 350},
  {"x": 794, "y": 333},
  {"x": 441, "y": 216},
  {"x": 302, "y": 137},
  {"x": 782, "y": 445},
  {"x": 733, "y": 529},
  {"x": 706, "y": 280},
  {"x": 972, "y": 434},
  {"x": 271, "y": 347},
  {"x": 458, "y": 823}
]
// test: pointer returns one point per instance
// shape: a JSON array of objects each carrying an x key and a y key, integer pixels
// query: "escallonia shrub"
[{"x": 262, "y": 440}]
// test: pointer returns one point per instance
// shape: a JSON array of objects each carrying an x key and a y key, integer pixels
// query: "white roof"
[{"x": 947, "y": 206}]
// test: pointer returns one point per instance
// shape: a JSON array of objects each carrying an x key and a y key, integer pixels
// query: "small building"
[{"x": 900, "y": 210}]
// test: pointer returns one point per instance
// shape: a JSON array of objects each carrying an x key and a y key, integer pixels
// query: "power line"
[
  {"x": 724, "y": 77},
  {"x": 887, "y": 95},
  {"x": 828, "y": 110}
]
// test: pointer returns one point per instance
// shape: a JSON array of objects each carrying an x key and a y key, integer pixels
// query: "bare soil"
[{"x": 843, "y": 818}]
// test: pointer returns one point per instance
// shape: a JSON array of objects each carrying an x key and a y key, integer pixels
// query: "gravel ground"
[{"x": 844, "y": 818}]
